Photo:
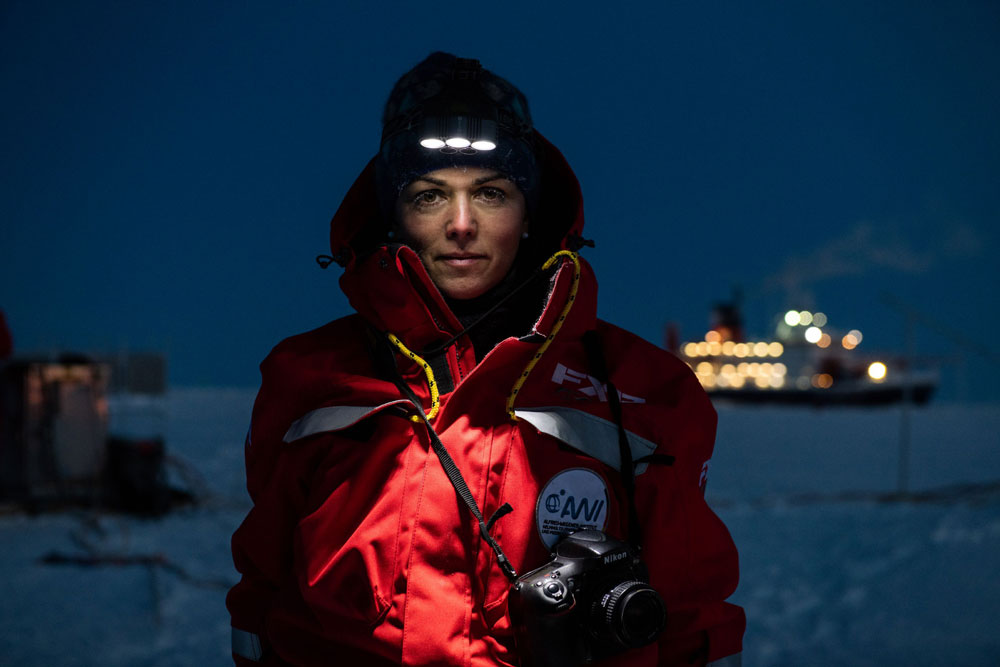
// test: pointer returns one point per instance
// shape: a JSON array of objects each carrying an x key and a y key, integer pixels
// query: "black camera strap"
[
  {"x": 456, "y": 479},
  {"x": 595, "y": 354}
]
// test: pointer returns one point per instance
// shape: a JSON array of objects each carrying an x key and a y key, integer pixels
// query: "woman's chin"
[{"x": 463, "y": 290}]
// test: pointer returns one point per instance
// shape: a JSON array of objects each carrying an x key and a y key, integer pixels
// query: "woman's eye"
[
  {"x": 427, "y": 198},
  {"x": 492, "y": 195}
]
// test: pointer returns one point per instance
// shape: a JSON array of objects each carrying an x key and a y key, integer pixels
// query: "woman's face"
[{"x": 465, "y": 224}]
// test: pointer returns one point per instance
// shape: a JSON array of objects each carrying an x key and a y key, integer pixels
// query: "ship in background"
[{"x": 806, "y": 361}]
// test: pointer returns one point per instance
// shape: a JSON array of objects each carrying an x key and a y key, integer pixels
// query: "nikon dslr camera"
[{"x": 590, "y": 602}]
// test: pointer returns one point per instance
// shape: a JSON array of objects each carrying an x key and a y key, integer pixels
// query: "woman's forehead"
[{"x": 460, "y": 176}]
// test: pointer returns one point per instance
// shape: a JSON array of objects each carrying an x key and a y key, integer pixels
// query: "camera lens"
[{"x": 632, "y": 614}]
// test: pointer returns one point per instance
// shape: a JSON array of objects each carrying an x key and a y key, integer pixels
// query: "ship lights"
[
  {"x": 725, "y": 364},
  {"x": 851, "y": 339},
  {"x": 877, "y": 371},
  {"x": 805, "y": 318},
  {"x": 822, "y": 380},
  {"x": 714, "y": 348},
  {"x": 745, "y": 374}
]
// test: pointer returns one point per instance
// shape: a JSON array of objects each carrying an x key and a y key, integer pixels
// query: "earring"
[
  {"x": 391, "y": 234},
  {"x": 524, "y": 235}
]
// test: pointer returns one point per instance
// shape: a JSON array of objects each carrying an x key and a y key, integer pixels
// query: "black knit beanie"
[{"x": 444, "y": 86}]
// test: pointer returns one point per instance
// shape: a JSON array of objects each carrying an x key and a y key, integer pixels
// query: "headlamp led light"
[{"x": 458, "y": 134}]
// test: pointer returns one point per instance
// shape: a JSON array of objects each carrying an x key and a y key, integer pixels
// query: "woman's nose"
[{"x": 461, "y": 224}]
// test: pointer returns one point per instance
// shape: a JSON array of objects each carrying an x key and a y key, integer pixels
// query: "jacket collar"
[{"x": 391, "y": 289}]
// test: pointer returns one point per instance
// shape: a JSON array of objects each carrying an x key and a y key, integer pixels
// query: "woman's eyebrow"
[
  {"x": 490, "y": 177},
  {"x": 432, "y": 181}
]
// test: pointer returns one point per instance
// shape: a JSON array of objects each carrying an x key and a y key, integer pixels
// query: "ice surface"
[{"x": 834, "y": 571}]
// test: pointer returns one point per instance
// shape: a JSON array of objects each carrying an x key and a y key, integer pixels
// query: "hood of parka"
[
  {"x": 387, "y": 283},
  {"x": 357, "y": 228}
]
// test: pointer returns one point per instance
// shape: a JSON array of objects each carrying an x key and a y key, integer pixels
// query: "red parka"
[{"x": 358, "y": 550}]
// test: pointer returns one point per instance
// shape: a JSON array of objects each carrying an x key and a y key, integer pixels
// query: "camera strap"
[
  {"x": 457, "y": 481},
  {"x": 595, "y": 354},
  {"x": 455, "y": 475}
]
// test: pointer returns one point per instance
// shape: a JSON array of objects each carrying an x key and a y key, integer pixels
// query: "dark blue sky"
[{"x": 169, "y": 169}]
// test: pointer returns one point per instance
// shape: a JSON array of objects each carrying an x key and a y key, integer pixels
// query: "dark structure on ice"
[{"x": 56, "y": 445}]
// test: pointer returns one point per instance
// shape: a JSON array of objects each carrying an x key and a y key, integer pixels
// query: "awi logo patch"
[{"x": 574, "y": 499}]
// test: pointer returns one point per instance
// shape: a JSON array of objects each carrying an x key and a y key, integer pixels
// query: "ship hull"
[{"x": 919, "y": 394}]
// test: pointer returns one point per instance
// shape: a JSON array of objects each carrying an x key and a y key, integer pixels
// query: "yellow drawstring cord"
[
  {"x": 431, "y": 384},
  {"x": 555, "y": 329}
]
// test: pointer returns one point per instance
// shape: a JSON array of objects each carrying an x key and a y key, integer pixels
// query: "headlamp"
[{"x": 459, "y": 119}]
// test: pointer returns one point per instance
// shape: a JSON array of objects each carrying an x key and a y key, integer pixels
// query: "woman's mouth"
[{"x": 461, "y": 260}]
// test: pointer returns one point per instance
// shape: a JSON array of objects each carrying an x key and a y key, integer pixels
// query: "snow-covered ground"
[
  {"x": 133, "y": 615},
  {"x": 836, "y": 570}
]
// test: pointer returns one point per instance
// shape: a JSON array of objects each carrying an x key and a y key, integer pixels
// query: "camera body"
[{"x": 590, "y": 602}]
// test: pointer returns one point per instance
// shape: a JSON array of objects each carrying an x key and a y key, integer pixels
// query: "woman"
[{"x": 411, "y": 462}]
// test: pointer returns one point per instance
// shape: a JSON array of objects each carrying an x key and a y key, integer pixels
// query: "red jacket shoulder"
[
  {"x": 675, "y": 411},
  {"x": 336, "y": 343},
  {"x": 330, "y": 364},
  {"x": 660, "y": 373},
  {"x": 306, "y": 370}
]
